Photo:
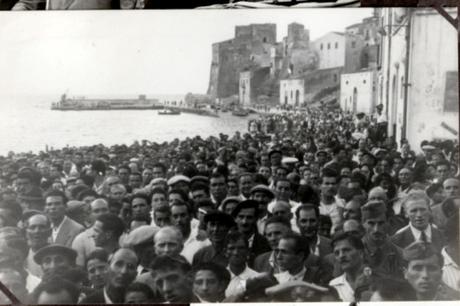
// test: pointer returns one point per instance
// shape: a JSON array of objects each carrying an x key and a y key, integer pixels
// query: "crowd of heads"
[{"x": 305, "y": 206}]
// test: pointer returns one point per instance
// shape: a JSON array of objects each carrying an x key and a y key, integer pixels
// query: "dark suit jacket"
[
  {"x": 259, "y": 246},
  {"x": 325, "y": 246},
  {"x": 404, "y": 238},
  {"x": 318, "y": 270},
  {"x": 68, "y": 231}
]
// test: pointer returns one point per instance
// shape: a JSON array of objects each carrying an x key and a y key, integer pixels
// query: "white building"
[
  {"x": 418, "y": 81},
  {"x": 331, "y": 50},
  {"x": 245, "y": 88},
  {"x": 292, "y": 92},
  {"x": 358, "y": 91}
]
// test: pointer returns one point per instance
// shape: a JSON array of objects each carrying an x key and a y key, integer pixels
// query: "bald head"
[
  {"x": 168, "y": 241},
  {"x": 451, "y": 187},
  {"x": 378, "y": 193}
]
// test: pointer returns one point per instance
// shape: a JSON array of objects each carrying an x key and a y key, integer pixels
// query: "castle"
[{"x": 254, "y": 69}]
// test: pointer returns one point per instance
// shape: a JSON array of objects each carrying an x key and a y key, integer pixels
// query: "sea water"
[{"x": 28, "y": 124}]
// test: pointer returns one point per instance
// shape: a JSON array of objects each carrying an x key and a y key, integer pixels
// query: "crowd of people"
[{"x": 305, "y": 206}]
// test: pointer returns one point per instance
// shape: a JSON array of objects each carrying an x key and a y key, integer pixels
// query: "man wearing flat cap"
[
  {"x": 380, "y": 253},
  {"x": 263, "y": 195},
  {"x": 275, "y": 157},
  {"x": 53, "y": 257},
  {"x": 141, "y": 241},
  {"x": 217, "y": 225},
  {"x": 179, "y": 182},
  {"x": 423, "y": 272}
]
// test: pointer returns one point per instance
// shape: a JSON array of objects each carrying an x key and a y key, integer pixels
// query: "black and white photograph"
[{"x": 229, "y": 156}]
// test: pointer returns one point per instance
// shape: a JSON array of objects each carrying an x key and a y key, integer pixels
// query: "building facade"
[
  {"x": 292, "y": 92},
  {"x": 418, "y": 80},
  {"x": 358, "y": 91},
  {"x": 331, "y": 50}
]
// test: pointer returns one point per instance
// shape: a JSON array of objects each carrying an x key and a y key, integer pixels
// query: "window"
[
  {"x": 364, "y": 81},
  {"x": 335, "y": 77},
  {"x": 328, "y": 46},
  {"x": 451, "y": 92},
  {"x": 336, "y": 45},
  {"x": 353, "y": 44},
  {"x": 346, "y": 82},
  {"x": 402, "y": 87},
  {"x": 264, "y": 39}
]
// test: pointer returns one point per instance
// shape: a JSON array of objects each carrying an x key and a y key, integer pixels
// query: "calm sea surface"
[{"x": 28, "y": 124}]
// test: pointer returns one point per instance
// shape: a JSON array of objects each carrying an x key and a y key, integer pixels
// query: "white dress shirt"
[
  {"x": 56, "y": 229},
  {"x": 450, "y": 271},
  {"x": 417, "y": 233},
  {"x": 193, "y": 245},
  {"x": 343, "y": 288},
  {"x": 285, "y": 276}
]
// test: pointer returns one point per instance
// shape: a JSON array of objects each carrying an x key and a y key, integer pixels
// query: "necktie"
[{"x": 423, "y": 237}]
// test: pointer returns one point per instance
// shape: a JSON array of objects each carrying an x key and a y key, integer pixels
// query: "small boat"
[
  {"x": 169, "y": 112},
  {"x": 240, "y": 112}
]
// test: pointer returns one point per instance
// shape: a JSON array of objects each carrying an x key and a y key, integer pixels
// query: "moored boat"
[{"x": 169, "y": 112}]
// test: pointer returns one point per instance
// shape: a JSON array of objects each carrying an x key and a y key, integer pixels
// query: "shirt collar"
[
  {"x": 417, "y": 233},
  {"x": 448, "y": 261},
  {"x": 107, "y": 298}
]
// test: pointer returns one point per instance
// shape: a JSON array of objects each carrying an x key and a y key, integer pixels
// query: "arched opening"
[{"x": 297, "y": 96}]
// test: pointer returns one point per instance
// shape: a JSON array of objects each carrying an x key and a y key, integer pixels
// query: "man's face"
[
  {"x": 173, "y": 285},
  {"x": 140, "y": 208},
  {"x": 405, "y": 176},
  {"x": 199, "y": 194},
  {"x": 124, "y": 175},
  {"x": 162, "y": 218},
  {"x": 283, "y": 190},
  {"x": 38, "y": 231},
  {"x": 282, "y": 209},
  {"x": 352, "y": 211},
  {"x": 274, "y": 232},
  {"x": 418, "y": 213},
  {"x": 51, "y": 262},
  {"x": 451, "y": 187},
  {"x": 308, "y": 223},
  {"x": 263, "y": 198},
  {"x": 216, "y": 231},
  {"x": 135, "y": 181},
  {"x": 218, "y": 188},
  {"x": 424, "y": 275},
  {"x": 157, "y": 172},
  {"x": 159, "y": 199},
  {"x": 246, "y": 183},
  {"x": 442, "y": 172},
  {"x": 122, "y": 269},
  {"x": 232, "y": 188},
  {"x": 147, "y": 175},
  {"x": 175, "y": 198},
  {"x": 180, "y": 217},
  {"x": 97, "y": 272},
  {"x": 329, "y": 186},
  {"x": 237, "y": 252},
  {"x": 166, "y": 243},
  {"x": 285, "y": 255},
  {"x": 99, "y": 235},
  {"x": 246, "y": 220},
  {"x": 348, "y": 257},
  {"x": 264, "y": 160},
  {"x": 55, "y": 207},
  {"x": 207, "y": 285},
  {"x": 376, "y": 229},
  {"x": 23, "y": 185},
  {"x": 98, "y": 207},
  {"x": 377, "y": 195},
  {"x": 265, "y": 171},
  {"x": 117, "y": 193}
]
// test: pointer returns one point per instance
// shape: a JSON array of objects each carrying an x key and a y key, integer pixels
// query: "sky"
[{"x": 132, "y": 52}]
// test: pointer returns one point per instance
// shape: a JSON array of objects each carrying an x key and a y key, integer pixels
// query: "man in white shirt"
[
  {"x": 181, "y": 216},
  {"x": 451, "y": 254},
  {"x": 64, "y": 229},
  {"x": 330, "y": 205},
  {"x": 349, "y": 253},
  {"x": 237, "y": 252}
]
